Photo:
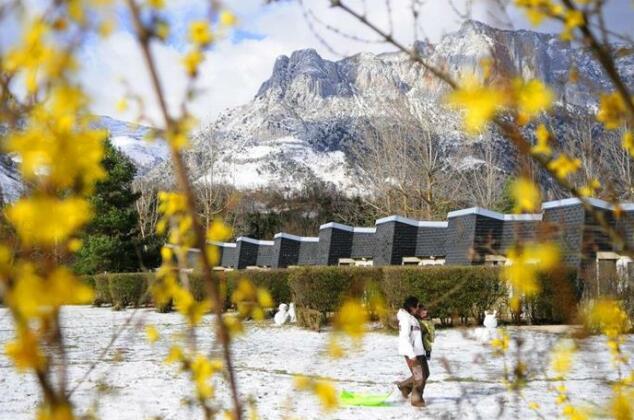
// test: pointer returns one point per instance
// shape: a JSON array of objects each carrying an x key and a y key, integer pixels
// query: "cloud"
[{"x": 239, "y": 63}]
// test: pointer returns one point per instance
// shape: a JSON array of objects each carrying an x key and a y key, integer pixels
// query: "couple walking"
[{"x": 415, "y": 338}]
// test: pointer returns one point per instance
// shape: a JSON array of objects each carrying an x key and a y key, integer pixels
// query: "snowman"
[
  {"x": 490, "y": 324},
  {"x": 282, "y": 316},
  {"x": 490, "y": 320},
  {"x": 291, "y": 313}
]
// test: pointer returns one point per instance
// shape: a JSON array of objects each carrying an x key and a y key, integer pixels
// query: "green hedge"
[
  {"x": 275, "y": 281},
  {"x": 129, "y": 289},
  {"x": 557, "y": 302},
  {"x": 318, "y": 291},
  {"x": 102, "y": 290},
  {"x": 449, "y": 292}
]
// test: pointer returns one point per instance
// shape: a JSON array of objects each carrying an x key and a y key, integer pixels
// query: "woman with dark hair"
[{"x": 410, "y": 345}]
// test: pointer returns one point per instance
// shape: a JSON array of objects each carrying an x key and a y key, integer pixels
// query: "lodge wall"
[{"x": 469, "y": 236}]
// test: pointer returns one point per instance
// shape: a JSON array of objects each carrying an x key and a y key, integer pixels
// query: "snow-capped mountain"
[
  {"x": 132, "y": 140},
  {"x": 308, "y": 121},
  {"x": 305, "y": 119}
]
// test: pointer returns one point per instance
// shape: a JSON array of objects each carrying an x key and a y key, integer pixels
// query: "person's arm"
[{"x": 403, "y": 336}]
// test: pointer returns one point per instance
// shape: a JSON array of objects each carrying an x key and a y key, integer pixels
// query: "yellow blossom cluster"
[
  {"x": 175, "y": 219},
  {"x": 542, "y": 145},
  {"x": 251, "y": 301},
  {"x": 167, "y": 288},
  {"x": 25, "y": 351},
  {"x": 590, "y": 189},
  {"x": 351, "y": 319},
  {"x": 525, "y": 263},
  {"x": 561, "y": 357},
  {"x": 613, "y": 114},
  {"x": 59, "y": 155},
  {"x": 539, "y": 10},
  {"x": 526, "y": 195},
  {"x": 202, "y": 36},
  {"x": 500, "y": 344},
  {"x": 34, "y": 295},
  {"x": 622, "y": 404},
  {"x": 563, "y": 166},
  {"x": 200, "y": 367},
  {"x": 322, "y": 389},
  {"x": 482, "y": 102},
  {"x": 608, "y": 317},
  {"x": 350, "y": 323}
]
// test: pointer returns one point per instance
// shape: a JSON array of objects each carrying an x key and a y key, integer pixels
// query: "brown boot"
[
  {"x": 405, "y": 386},
  {"x": 417, "y": 397}
]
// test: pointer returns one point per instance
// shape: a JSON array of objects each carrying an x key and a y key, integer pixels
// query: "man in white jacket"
[{"x": 410, "y": 345}]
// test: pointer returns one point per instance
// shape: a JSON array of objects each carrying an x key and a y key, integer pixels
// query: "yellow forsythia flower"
[
  {"x": 202, "y": 370},
  {"x": 526, "y": 195},
  {"x": 525, "y": 264},
  {"x": 572, "y": 19},
  {"x": 479, "y": 102},
  {"x": 156, "y": 4},
  {"x": 575, "y": 413},
  {"x": 227, "y": 18},
  {"x": 538, "y": 10},
  {"x": 609, "y": 317},
  {"x": 55, "y": 412},
  {"x": 334, "y": 349},
  {"x": 542, "y": 146},
  {"x": 218, "y": 231},
  {"x": 152, "y": 333},
  {"x": 611, "y": 110},
  {"x": 264, "y": 298},
  {"x": 200, "y": 33},
  {"x": 351, "y": 318},
  {"x": 191, "y": 61},
  {"x": 533, "y": 405},
  {"x": 561, "y": 357},
  {"x": 48, "y": 221},
  {"x": 301, "y": 383},
  {"x": 590, "y": 188},
  {"x": 564, "y": 166},
  {"x": 532, "y": 97},
  {"x": 501, "y": 344},
  {"x": 175, "y": 355},
  {"x": 621, "y": 404},
  {"x": 327, "y": 395},
  {"x": 122, "y": 105},
  {"x": 25, "y": 352}
]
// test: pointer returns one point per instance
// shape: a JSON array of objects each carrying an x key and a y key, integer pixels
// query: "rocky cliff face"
[
  {"x": 326, "y": 107},
  {"x": 307, "y": 117}
]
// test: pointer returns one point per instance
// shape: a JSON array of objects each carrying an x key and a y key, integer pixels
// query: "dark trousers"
[{"x": 420, "y": 370}]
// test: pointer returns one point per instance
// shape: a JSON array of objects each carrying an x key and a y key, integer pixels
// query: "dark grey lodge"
[{"x": 469, "y": 237}]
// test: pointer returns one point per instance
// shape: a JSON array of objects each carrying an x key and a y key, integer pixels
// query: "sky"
[{"x": 242, "y": 59}]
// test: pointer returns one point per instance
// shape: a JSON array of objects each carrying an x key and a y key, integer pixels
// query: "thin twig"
[{"x": 183, "y": 181}]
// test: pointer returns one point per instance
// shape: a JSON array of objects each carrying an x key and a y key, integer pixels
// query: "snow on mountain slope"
[
  {"x": 285, "y": 163},
  {"x": 131, "y": 140},
  {"x": 335, "y": 106}
]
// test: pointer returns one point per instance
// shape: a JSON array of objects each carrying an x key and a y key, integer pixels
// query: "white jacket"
[{"x": 410, "y": 341}]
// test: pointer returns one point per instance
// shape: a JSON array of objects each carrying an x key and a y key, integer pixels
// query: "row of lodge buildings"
[{"x": 468, "y": 237}]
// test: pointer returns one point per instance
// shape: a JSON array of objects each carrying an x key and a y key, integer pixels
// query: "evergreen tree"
[{"x": 110, "y": 241}]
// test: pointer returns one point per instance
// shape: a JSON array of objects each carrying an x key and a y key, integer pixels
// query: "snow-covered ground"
[{"x": 134, "y": 383}]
